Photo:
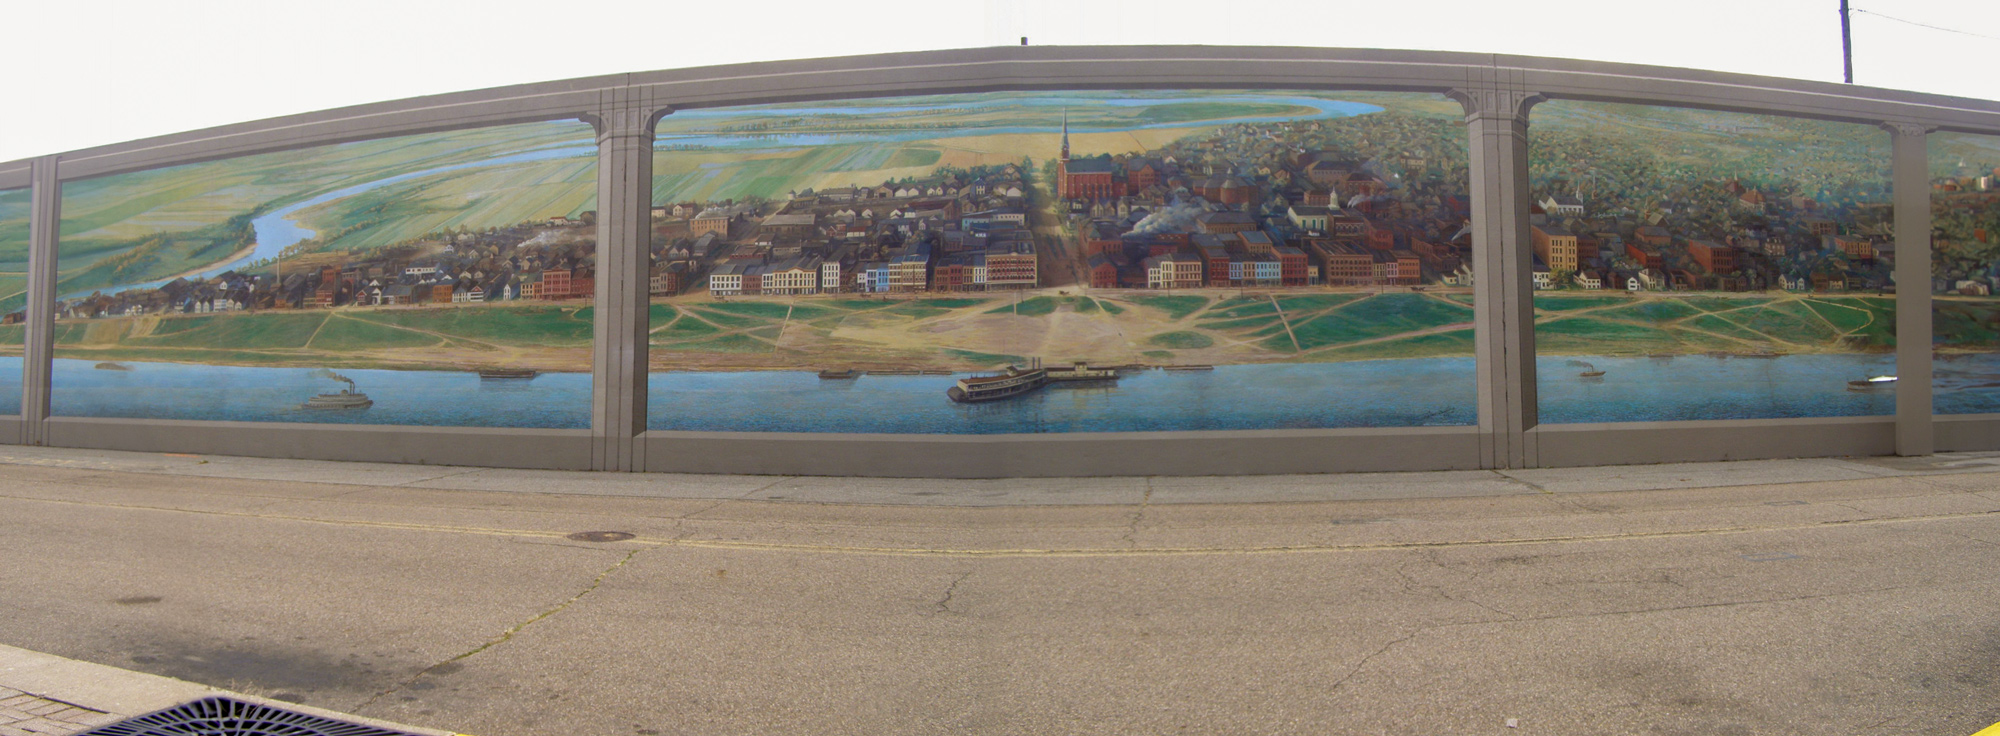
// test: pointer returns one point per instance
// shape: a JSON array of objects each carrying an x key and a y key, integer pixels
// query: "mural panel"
[
  {"x": 1702, "y": 265},
  {"x": 14, "y": 207},
  {"x": 432, "y": 280},
  {"x": 1965, "y": 273},
  {"x": 1063, "y": 262}
]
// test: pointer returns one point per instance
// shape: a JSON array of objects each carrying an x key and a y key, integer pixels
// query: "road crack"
[
  {"x": 1358, "y": 666},
  {"x": 504, "y": 636},
  {"x": 944, "y": 604},
  {"x": 1138, "y": 517}
]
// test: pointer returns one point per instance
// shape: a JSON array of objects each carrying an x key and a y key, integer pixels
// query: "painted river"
[
  {"x": 1385, "y": 393},
  {"x": 279, "y": 229}
]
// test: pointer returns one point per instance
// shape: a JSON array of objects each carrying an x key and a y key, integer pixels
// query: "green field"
[
  {"x": 509, "y": 325},
  {"x": 1181, "y": 340},
  {"x": 1176, "y": 307}
]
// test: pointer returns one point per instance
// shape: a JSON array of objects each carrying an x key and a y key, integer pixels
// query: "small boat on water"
[
  {"x": 831, "y": 374},
  {"x": 1589, "y": 371},
  {"x": 507, "y": 373},
  {"x": 113, "y": 367},
  {"x": 348, "y": 398},
  {"x": 1872, "y": 384},
  {"x": 1591, "y": 374}
]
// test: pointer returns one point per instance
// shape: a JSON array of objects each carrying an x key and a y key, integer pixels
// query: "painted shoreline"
[{"x": 1402, "y": 393}]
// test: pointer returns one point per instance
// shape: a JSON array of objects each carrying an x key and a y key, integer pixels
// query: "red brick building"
[
  {"x": 1644, "y": 255},
  {"x": 1377, "y": 234},
  {"x": 1103, "y": 273},
  {"x": 1715, "y": 257},
  {"x": 555, "y": 284},
  {"x": 1292, "y": 265},
  {"x": 1102, "y": 237},
  {"x": 1341, "y": 264}
]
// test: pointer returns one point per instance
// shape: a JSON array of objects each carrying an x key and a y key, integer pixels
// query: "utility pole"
[{"x": 1846, "y": 45}]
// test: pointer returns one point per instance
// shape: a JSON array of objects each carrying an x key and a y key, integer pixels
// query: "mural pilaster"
[
  {"x": 1910, "y": 177},
  {"x": 45, "y": 217},
  {"x": 618, "y": 352},
  {"x": 1496, "y": 117}
]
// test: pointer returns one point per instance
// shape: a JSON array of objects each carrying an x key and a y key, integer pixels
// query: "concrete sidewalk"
[
  {"x": 1808, "y": 596},
  {"x": 45, "y": 695}
]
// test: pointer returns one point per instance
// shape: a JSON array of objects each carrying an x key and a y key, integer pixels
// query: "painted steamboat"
[
  {"x": 348, "y": 398},
  {"x": 1018, "y": 381}
]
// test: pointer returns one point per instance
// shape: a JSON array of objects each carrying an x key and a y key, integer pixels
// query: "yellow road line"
[{"x": 1042, "y": 552}]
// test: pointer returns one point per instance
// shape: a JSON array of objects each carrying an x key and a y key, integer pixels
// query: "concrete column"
[
  {"x": 44, "y": 224},
  {"x": 624, "y": 233},
  {"x": 1910, "y": 175},
  {"x": 1496, "y": 116}
]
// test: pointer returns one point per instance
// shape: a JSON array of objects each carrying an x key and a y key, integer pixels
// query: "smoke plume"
[
  {"x": 327, "y": 374},
  {"x": 1177, "y": 217}
]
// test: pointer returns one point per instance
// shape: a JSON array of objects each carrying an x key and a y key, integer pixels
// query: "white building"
[
  {"x": 829, "y": 276},
  {"x": 726, "y": 280},
  {"x": 1562, "y": 206}
]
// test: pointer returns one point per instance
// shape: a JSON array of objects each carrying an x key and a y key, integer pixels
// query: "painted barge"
[{"x": 507, "y": 373}]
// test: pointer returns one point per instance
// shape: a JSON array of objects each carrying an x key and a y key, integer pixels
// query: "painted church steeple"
[{"x": 1065, "y": 129}]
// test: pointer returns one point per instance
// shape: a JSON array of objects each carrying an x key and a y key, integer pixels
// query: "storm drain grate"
[{"x": 227, "y": 717}]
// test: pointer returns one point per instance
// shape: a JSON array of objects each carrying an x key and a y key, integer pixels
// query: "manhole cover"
[
  {"x": 228, "y": 717},
  {"x": 600, "y": 536}
]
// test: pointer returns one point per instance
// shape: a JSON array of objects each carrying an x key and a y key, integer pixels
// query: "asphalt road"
[{"x": 1837, "y": 606}]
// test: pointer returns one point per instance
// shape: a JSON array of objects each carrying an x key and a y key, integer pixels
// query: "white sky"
[{"x": 87, "y": 73}]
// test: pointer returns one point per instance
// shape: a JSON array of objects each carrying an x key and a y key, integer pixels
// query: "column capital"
[
  {"x": 1484, "y": 103},
  {"x": 1906, "y": 128},
  {"x": 625, "y": 121}
]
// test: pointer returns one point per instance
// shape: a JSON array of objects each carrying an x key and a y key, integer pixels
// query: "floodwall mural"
[
  {"x": 1965, "y": 273},
  {"x": 13, "y": 294},
  {"x": 439, "y": 279},
  {"x": 1063, "y": 262},
  {"x": 1702, "y": 265}
]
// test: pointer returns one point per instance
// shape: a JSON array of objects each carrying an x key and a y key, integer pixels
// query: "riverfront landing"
[{"x": 1810, "y": 596}]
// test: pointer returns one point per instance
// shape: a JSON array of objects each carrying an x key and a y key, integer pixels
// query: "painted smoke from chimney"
[
  {"x": 1177, "y": 217},
  {"x": 327, "y": 374}
]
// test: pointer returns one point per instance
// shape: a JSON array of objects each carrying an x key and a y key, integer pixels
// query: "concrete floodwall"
[{"x": 494, "y": 283}]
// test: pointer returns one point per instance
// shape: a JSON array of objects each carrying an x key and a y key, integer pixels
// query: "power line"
[{"x": 1925, "y": 25}]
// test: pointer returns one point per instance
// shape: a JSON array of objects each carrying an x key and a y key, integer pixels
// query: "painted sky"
[{"x": 148, "y": 68}]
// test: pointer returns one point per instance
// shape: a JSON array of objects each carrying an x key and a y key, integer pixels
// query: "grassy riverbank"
[{"x": 982, "y": 331}]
